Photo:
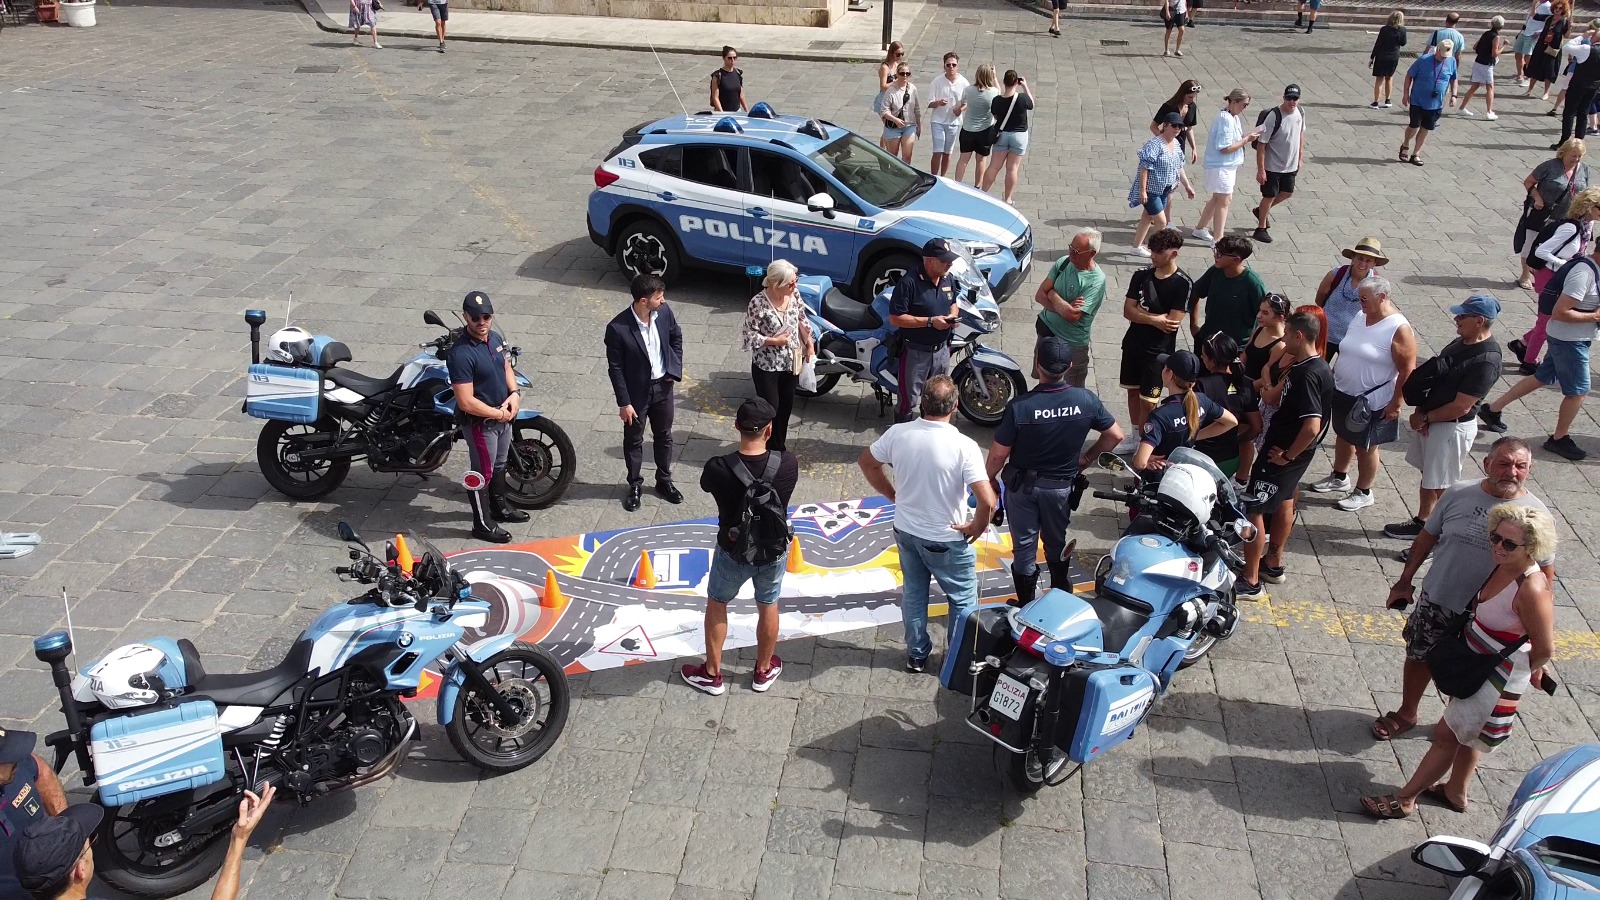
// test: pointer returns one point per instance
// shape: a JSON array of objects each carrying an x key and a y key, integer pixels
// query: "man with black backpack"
[
  {"x": 1574, "y": 320},
  {"x": 752, "y": 488},
  {"x": 1278, "y": 156},
  {"x": 1445, "y": 391}
]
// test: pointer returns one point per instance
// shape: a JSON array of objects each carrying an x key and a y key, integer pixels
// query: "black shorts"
[
  {"x": 1279, "y": 183},
  {"x": 1285, "y": 478},
  {"x": 1426, "y": 119},
  {"x": 1139, "y": 370},
  {"x": 1175, "y": 21},
  {"x": 1058, "y": 4},
  {"x": 975, "y": 142},
  {"x": 1384, "y": 68}
]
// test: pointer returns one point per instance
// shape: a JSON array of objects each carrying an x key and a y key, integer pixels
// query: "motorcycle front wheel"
[
  {"x": 1029, "y": 772},
  {"x": 128, "y": 859},
  {"x": 300, "y": 480},
  {"x": 532, "y": 679},
  {"x": 541, "y": 464},
  {"x": 1003, "y": 386}
]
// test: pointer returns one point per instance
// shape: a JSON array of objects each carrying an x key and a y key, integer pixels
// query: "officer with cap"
[
  {"x": 487, "y": 401},
  {"x": 1038, "y": 453},
  {"x": 29, "y": 793},
  {"x": 923, "y": 307}
]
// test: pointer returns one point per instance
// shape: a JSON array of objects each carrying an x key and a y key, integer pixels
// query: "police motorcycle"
[
  {"x": 320, "y": 417},
  {"x": 1063, "y": 679},
  {"x": 172, "y": 747},
  {"x": 854, "y": 339}
]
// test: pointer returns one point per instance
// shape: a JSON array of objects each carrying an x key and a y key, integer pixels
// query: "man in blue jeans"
[
  {"x": 729, "y": 574},
  {"x": 1573, "y": 327},
  {"x": 934, "y": 467}
]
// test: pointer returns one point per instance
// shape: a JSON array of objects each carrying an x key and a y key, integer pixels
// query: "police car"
[{"x": 726, "y": 191}]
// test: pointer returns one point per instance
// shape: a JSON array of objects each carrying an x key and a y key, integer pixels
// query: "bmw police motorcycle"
[
  {"x": 853, "y": 339},
  {"x": 321, "y": 417},
  {"x": 171, "y": 748},
  {"x": 1064, "y": 678}
]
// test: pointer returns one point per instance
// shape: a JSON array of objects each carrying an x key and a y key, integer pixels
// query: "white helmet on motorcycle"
[
  {"x": 1188, "y": 488},
  {"x": 289, "y": 345},
  {"x": 122, "y": 679}
]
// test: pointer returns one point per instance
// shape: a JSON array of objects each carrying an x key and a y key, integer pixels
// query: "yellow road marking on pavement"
[{"x": 1379, "y": 626}]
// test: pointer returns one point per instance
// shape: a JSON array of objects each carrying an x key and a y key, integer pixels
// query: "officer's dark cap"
[
  {"x": 478, "y": 304},
  {"x": 47, "y": 850},
  {"x": 1183, "y": 364},
  {"x": 939, "y": 249},
  {"x": 1054, "y": 356},
  {"x": 15, "y": 746}
]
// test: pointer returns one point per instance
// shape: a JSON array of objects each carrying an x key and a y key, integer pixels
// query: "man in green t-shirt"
[
  {"x": 1070, "y": 295},
  {"x": 1230, "y": 290}
]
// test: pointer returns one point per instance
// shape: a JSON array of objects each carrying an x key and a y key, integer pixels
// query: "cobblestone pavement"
[{"x": 180, "y": 163}]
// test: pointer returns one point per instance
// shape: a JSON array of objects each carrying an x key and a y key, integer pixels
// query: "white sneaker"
[
  {"x": 1357, "y": 500},
  {"x": 1333, "y": 484},
  {"x": 1385, "y": 105},
  {"x": 1142, "y": 250},
  {"x": 1490, "y": 116},
  {"x": 1466, "y": 112},
  {"x": 1201, "y": 234},
  {"x": 1128, "y": 445}
]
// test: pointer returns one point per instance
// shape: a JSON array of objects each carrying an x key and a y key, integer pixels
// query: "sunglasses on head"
[
  {"x": 1279, "y": 303},
  {"x": 1507, "y": 543}
]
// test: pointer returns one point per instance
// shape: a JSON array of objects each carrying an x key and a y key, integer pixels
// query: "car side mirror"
[
  {"x": 1453, "y": 856},
  {"x": 822, "y": 203},
  {"x": 432, "y": 318},
  {"x": 1113, "y": 463}
]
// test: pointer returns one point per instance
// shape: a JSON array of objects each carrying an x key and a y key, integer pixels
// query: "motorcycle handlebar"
[{"x": 1119, "y": 496}]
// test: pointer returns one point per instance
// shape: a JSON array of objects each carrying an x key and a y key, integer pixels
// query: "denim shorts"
[
  {"x": 440, "y": 11},
  {"x": 1565, "y": 363},
  {"x": 1014, "y": 142},
  {"x": 1157, "y": 204},
  {"x": 891, "y": 133},
  {"x": 728, "y": 577}
]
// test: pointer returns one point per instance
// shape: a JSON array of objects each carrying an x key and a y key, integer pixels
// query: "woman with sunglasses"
[
  {"x": 727, "y": 84},
  {"x": 1160, "y": 172},
  {"x": 901, "y": 112},
  {"x": 1224, "y": 155},
  {"x": 1261, "y": 354},
  {"x": 892, "y": 57},
  {"x": 1010, "y": 111},
  {"x": 1512, "y": 614},
  {"x": 777, "y": 333},
  {"x": 976, "y": 118}
]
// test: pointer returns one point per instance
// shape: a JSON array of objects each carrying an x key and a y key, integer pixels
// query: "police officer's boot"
[
  {"x": 1027, "y": 586},
  {"x": 483, "y": 527},
  {"x": 498, "y": 507},
  {"x": 1060, "y": 575}
]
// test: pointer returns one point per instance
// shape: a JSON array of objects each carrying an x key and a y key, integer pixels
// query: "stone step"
[
  {"x": 810, "y": 13},
  {"x": 1475, "y": 14}
]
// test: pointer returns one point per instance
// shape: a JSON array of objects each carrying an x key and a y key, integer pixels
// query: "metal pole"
[{"x": 888, "y": 23}]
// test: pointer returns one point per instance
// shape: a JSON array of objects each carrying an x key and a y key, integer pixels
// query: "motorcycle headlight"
[{"x": 980, "y": 249}]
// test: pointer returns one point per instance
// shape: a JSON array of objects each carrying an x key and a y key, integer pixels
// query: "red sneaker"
[
  {"x": 761, "y": 679},
  {"x": 697, "y": 678}
]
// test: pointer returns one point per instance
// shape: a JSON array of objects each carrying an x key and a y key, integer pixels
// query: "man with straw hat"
[{"x": 1337, "y": 294}]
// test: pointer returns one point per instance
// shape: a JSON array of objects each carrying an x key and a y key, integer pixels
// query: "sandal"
[
  {"x": 1387, "y": 806},
  {"x": 1437, "y": 793},
  {"x": 1389, "y": 726},
  {"x": 1405, "y": 153},
  {"x": 1416, "y": 160},
  {"x": 1525, "y": 285}
]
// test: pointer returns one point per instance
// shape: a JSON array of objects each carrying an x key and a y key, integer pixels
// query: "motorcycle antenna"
[
  {"x": 288, "y": 308},
  {"x": 668, "y": 77},
  {"x": 67, "y": 607}
]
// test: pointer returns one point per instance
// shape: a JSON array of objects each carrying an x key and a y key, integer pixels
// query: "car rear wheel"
[{"x": 646, "y": 248}]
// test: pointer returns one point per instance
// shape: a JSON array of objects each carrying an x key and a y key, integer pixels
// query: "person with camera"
[
  {"x": 1456, "y": 534},
  {"x": 1427, "y": 82}
]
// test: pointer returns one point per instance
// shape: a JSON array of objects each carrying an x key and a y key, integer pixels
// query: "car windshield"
[{"x": 870, "y": 172}]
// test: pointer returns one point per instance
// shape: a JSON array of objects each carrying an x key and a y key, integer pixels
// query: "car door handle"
[
  {"x": 667, "y": 195},
  {"x": 758, "y": 212}
]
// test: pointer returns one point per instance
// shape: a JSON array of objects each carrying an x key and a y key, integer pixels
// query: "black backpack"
[
  {"x": 763, "y": 533},
  {"x": 1261, "y": 119},
  {"x": 1551, "y": 295}
]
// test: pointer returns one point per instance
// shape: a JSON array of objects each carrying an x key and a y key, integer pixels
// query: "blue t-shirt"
[
  {"x": 483, "y": 365},
  {"x": 1046, "y": 427},
  {"x": 1430, "y": 80},
  {"x": 1167, "y": 429}
]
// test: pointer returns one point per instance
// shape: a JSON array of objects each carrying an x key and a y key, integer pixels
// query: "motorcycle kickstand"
[{"x": 884, "y": 400}]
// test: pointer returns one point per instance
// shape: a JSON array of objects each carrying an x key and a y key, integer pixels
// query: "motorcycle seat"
[
  {"x": 1120, "y": 618},
  {"x": 365, "y": 385},
  {"x": 848, "y": 314},
  {"x": 250, "y": 688}
]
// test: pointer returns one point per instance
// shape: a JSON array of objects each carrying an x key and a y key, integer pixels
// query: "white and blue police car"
[{"x": 732, "y": 192}]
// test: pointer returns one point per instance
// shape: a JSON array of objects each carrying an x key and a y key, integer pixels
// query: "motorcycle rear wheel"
[
  {"x": 1028, "y": 773},
  {"x": 128, "y": 862},
  {"x": 518, "y": 672},
  {"x": 541, "y": 464},
  {"x": 1003, "y": 385},
  {"x": 299, "y": 481}
]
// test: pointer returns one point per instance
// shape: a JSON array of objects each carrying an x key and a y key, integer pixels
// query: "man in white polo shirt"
[
  {"x": 944, "y": 99},
  {"x": 934, "y": 467}
]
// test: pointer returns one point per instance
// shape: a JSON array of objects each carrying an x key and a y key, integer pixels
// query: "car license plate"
[{"x": 1008, "y": 697}]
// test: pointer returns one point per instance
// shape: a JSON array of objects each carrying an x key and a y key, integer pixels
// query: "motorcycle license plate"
[{"x": 1008, "y": 697}]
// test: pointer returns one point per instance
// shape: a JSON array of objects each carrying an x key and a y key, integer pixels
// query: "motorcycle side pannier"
[
  {"x": 985, "y": 632},
  {"x": 285, "y": 393},
  {"x": 1101, "y": 708},
  {"x": 157, "y": 752}
]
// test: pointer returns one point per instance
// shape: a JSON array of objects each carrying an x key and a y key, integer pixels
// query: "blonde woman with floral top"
[{"x": 778, "y": 334}]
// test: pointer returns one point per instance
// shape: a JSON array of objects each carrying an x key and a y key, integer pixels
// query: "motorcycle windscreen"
[
  {"x": 981, "y": 633},
  {"x": 1109, "y": 705},
  {"x": 155, "y": 753}
]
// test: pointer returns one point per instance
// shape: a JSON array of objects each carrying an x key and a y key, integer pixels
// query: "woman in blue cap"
[{"x": 1183, "y": 417}]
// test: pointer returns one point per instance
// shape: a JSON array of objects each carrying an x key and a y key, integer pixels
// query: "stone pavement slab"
[{"x": 180, "y": 163}]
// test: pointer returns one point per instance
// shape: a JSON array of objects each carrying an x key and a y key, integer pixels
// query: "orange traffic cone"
[
  {"x": 403, "y": 554},
  {"x": 552, "y": 597},
  {"x": 796, "y": 559},
  {"x": 645, "y": 575}
]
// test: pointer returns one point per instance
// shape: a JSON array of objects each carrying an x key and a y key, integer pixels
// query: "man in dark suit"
[{"x": 644, "y": 356}]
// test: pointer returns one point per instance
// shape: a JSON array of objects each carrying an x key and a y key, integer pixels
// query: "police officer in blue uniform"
[
  {"x": 923, "y": 307},
  {"x": 1038, "y": 452},
  {"x": 487, "y": 401},
  {"x": 29, "y": 793},
  {"x": 1183, "y": 417}
]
